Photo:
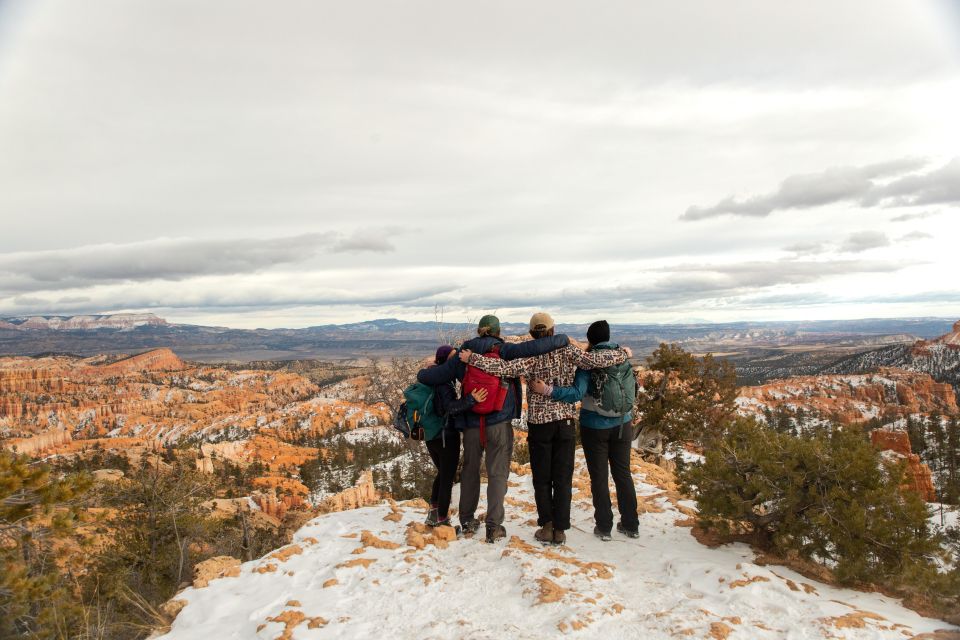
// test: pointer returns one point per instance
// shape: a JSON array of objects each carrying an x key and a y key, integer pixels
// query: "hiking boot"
[
  {"x": 602, "y": 534},
  {"x": 559, "y": 537},
  {"x": 433, "y": 517},
  {"x": 544, "y": 534},
  {"x": 630, "y": 533},
  {"x": 469, "y": 526},
  {"x": 495, "y": 532}
]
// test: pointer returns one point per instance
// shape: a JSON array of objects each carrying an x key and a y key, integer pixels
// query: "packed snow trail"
[{"x": 375, "y": 571}]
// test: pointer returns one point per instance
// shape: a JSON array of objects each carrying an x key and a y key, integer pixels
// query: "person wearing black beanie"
[
  {"x": 607, "y": 397},
  {"x": 598, "y": 333}
]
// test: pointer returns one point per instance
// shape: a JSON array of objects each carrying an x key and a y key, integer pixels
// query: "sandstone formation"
[
  {"x": 217, "y": 567},
  {"x": 107, "y": 475},
  {"x": 887, "y": 394},
  {"x": 897, "y": 444},
  {"x": 49, "y": 404},
  {"x": 36, "y": 444},
  {"x": 950, "y": 340},
  {"x": 361, "y": 495}
]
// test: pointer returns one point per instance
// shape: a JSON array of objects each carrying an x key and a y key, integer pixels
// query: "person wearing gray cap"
[{"x": 552, "y": 430}]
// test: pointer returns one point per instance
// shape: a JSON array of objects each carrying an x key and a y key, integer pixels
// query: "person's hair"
[
  {"x": 541, "y": 333},
  {"x": 485, "y": 331}
]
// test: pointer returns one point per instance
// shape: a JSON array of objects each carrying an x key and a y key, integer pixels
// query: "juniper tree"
[
  {"x": 693, "y": 399},
  {"x": 828, "y": 497}
]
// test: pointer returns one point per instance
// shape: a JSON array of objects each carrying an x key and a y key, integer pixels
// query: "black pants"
[
  {"x": 610, "y": 446},
  {"x": 552, "y": 446},
  {"x": 445, "y": 453}
]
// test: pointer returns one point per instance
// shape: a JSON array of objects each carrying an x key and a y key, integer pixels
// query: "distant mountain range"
[
  {"x": 939, "y": 357},
  {"x": 131, "y": 333}
]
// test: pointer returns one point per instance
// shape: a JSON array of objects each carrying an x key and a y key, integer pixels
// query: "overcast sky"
[{"x": 265, "y": 164}]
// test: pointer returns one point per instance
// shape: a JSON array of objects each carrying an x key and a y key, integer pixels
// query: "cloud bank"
[{"x": 860, "y": 185}]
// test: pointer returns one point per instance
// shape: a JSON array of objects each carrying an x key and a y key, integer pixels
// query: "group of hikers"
[{"x": 471, "y": 398}]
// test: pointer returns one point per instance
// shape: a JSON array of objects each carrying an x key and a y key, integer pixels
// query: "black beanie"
[{"x": 598, "y": 332}]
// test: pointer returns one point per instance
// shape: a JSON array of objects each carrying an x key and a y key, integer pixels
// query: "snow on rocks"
[{"x": 378, "y": 569}]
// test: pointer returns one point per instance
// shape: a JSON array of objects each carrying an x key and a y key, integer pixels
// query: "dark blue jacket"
[{"x": 453, "y": 369}]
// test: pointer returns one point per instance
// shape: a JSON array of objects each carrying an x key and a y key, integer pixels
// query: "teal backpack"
[
  {"x": 416, "y": 418},
  {"x": 612, "y": 390}
]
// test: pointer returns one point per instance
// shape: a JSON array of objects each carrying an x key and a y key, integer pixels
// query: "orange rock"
[
  {"x": 918, "y": 475},
  {"x": 853, "y": 398},
  {"x": 217, "y": 567},
  {"x": 363, "y": 494},
  {"x": 445, "y": 533}
]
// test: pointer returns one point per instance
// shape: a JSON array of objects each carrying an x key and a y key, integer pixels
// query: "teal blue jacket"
[{"x": 591, "y": 419}]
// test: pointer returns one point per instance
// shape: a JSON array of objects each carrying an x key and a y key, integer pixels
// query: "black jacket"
[
  {"x": 448, "y": 406},
  {"x": 453, "y": 369}
]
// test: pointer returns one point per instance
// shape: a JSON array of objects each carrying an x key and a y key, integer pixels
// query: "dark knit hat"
[
  {"x": 489, "y": 325},
  {"x": 443, "y": 352},
  {"x": 598, "y": 332}
]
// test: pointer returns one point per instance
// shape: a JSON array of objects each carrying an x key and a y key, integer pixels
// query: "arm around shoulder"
[
  {"x": 439, "y": 374},
  {"x": 530, "y": 348},
  {"x": 600, "y": 358},
  {"x": 573, "y": 393}
]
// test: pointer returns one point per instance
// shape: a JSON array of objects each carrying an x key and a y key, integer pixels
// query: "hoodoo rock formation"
[
  {"x": 897, "y": 444},
  {"x": 39, "y": 443},
  {"x": 362, "y": 494},
  {"x": 136, "y": 405},
  {"x": 889, "y": 393}
]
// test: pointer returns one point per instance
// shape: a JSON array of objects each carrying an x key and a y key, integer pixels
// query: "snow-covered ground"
[{"x": 330, "y": 584}]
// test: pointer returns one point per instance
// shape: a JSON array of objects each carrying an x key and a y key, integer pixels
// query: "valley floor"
[{"x": 336, "y": 581}]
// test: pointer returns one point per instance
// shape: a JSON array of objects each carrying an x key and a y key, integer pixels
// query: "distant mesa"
[{"x": 84, "y": 323}]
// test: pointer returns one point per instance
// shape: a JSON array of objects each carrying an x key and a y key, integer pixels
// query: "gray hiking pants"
[{"x": 498, "y": 455}]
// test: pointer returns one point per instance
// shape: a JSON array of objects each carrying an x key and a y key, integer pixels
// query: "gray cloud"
[
  {"x": 915, "y": 235},
  {"x": 236, "y": 298},
  {"x": 806, "y": 248},
  {"x": 847, "y": 184},
  {"x": 685, "y": 284},
  {"x": 172, "y": 259},
  {"x": 905, "y": 217},
  {"x": 864, "y": 241},
  {"x": 941, "y": 186},
  {"x": 364, "y": 240}
]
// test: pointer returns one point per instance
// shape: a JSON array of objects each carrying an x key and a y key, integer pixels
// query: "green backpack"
[
  {"x": 612, "y": 390},
  {"x": 421, "y": 417}
]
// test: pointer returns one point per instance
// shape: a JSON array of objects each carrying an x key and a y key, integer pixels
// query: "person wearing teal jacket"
[{"x": 606, "y": 443}]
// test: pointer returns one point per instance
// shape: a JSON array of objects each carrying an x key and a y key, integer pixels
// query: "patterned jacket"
[{"x": 557, "y": 368}]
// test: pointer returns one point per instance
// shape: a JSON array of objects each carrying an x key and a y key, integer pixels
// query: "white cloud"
[{"x": 528, "y": 152}]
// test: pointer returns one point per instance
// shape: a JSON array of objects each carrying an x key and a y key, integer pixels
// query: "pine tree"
[{"x": 36, "y": 511}]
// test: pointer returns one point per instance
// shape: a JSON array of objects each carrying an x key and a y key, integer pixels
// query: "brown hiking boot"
[
  {"x": 544, "y": 534},
  {"x": 495, "y": 532},
  {"x": 559, "y": 537}
]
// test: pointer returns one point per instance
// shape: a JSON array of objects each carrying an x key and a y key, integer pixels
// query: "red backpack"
[{"x": 496, "y": 388}]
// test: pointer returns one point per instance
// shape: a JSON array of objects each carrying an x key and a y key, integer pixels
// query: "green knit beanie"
[{"x": 489, "y": 326}]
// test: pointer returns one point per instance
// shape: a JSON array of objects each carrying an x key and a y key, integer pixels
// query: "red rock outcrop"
[
  {"x": 851, "y": 399},
  {"x": 918, "y": 476},
  {"x": 950, "y": 340}
]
